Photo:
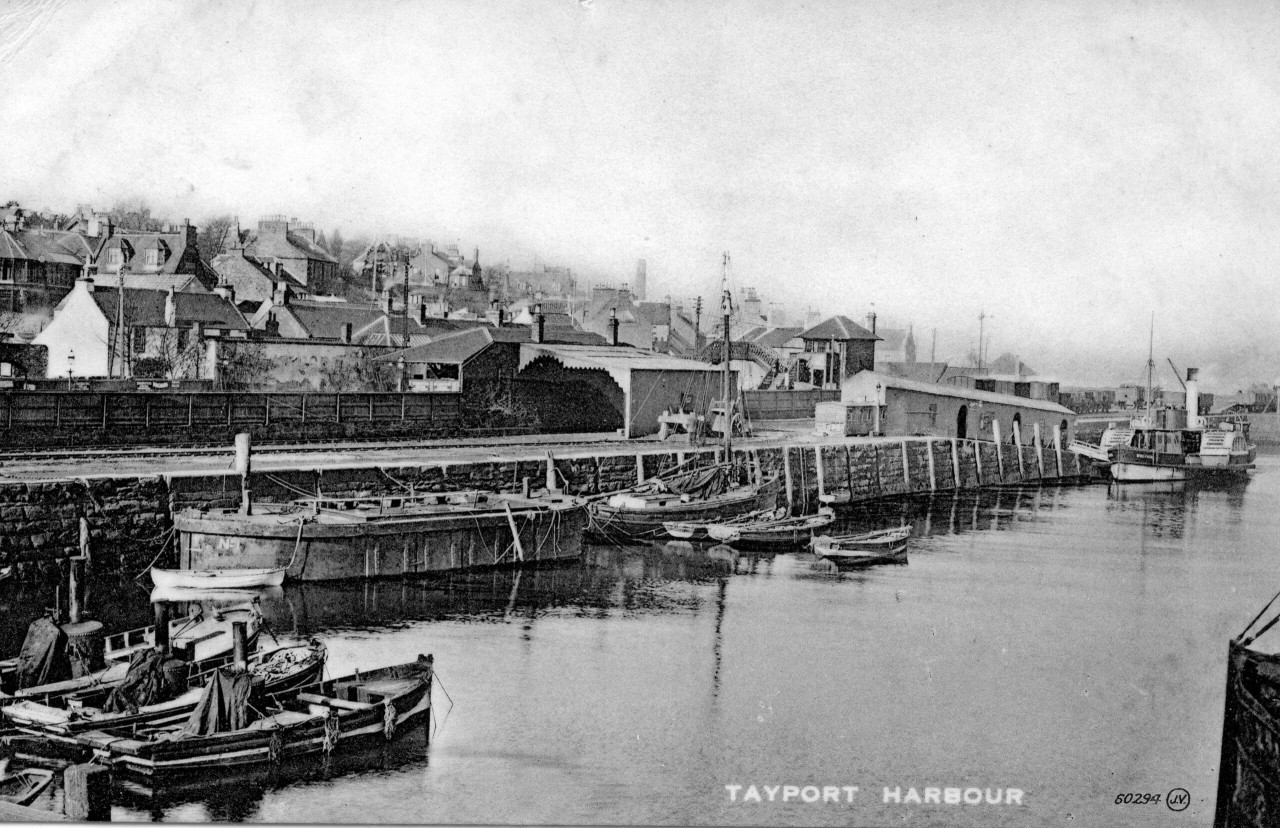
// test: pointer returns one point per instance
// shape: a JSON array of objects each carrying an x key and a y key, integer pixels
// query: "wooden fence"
[
  {"x": 785, "y": 405},
  {"x": 141, "y": 417}
]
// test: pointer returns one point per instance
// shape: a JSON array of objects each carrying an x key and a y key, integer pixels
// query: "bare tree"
[
  {"x": 135, "y": 215},
  {"x": 245, "y": 366},
  {"x": 171, "y": 353},
  {"x": 215, "y": 236}
]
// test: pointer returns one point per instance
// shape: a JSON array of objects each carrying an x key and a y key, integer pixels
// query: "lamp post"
[{"x": 71, "y": 361}]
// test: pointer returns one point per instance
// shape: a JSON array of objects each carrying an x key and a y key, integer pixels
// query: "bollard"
[
  {"x": 524, "y": 487},
  {"x": 162, "y": 625},
  {"x": 87, "y": 793},
  {"x": 553, "y": 485}
]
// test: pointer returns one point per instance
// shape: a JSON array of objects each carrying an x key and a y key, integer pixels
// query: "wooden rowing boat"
[
  {"x": 334, "y": 715},
  {"x": 22, "y": 787},
  {"x": 766, "y": 532},
  {"x": 696, "y": 497},
  {"x": 278, "y": 673},
  {"x": 217, "y": 578},
  {"x": 885, "y": 546},
  {"x": 700, "y": 531}
]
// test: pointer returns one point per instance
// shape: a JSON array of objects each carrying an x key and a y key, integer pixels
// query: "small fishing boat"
[
  {"x": 204, "y": 642},
  {"x": 884, "y": 546},
  {"x": 22, "y": 787},
  {"x": 688, "y": 530},
  {"x": 276, "y": 673},
  {"x": 222, "y": 735},
  {"x": 772, "y": 532},
  {"x": 217, "y": 578},
  {"x": 685, "y": 501}
]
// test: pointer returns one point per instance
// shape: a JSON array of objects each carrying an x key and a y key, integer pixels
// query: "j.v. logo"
[{"x": 1178, "y": 799}]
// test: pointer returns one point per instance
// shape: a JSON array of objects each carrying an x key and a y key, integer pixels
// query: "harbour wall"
[{"x": 130, "y": 520}]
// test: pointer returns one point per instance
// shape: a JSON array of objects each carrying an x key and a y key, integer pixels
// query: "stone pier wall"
[{"x": 130, "y": 519}]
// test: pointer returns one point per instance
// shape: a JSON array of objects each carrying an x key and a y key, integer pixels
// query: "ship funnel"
[{"x": 1194, "y": 420}]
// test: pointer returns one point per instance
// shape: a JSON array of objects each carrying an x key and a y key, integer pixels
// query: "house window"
[
  {"x": 153, "y": 257},
  {"x": 184, "y": 336},
  {"x": 139, "y": 339},
  {"x": 115, "y": 257}
]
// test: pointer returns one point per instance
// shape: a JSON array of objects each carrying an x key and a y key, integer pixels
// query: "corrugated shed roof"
[{"x": 866, "y": 378}]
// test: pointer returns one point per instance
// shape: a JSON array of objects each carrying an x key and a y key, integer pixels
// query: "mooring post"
[
  {"x": 786, "y": 471},
  {"x": 639, "y": 468},
  {"x": 1017, "y": 446},
  {"x": 1057, "y": 449},
  {"x": 955, "y": 461},
  {"x": 162, "y": 624},
  {"x": 240, "y": 645},
  {"x": 906, "y": 469},
  {"x": 87, "y": 793},
  {"x": 995, "y": 435},
  {"x": 977, "y": 461},
  {"x": 75, "y": 589},
  {"x": 817, "y": 464},
  {"x": 1035, "y": 440},
  {"x": 553, "y": 485},
  {"x": 243, "y": 465},
  {"x": 933, "y": 473},
  {"x": 524, "y": 487}
]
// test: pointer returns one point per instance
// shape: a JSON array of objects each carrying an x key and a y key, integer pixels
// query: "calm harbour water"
[{"x": 1069, "y": 642}]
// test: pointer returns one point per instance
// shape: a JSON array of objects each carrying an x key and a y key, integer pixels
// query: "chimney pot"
[{"x": 346, "y": 333}]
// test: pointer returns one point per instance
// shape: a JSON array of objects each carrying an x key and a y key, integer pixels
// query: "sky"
[{"x": 1071, "y": 169}]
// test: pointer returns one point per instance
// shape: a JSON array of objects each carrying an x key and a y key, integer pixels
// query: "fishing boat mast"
[
  {"x": 1151, "y": 364},
  {"x": 725, "y": 306}
]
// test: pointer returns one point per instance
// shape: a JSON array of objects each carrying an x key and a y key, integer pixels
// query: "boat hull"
[
  {"x": 648, "y": 523},
  {"x": 161, "y": 760},
  {"x": 324, "y": 550},
  {"x": 864, "y": 550},
  {"x": 1249, "y": 770},
  {"x": 216, "y": 578},
  {"x": 1127, "y": 472}
]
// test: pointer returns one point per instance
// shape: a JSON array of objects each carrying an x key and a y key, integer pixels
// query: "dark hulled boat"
[
  {"x": 1249, "y": 770},
  {"x": 334, "y": 715}
]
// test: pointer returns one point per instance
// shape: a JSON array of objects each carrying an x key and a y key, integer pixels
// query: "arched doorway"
[{"x": 962, "y": 422}]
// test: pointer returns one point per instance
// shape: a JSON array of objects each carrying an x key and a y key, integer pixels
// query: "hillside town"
[{"x": 119, "y": 299}]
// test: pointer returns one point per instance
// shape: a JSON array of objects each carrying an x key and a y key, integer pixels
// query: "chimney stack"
[
  {"x": 226, "y": 291},
  {"x": 613, "y": 326},
  {"x": 539, "y": 324},
  {"x": 281, "y": 296},
  {"x": 1194, "y": 420},
  {"x": 871, "y": 321}
]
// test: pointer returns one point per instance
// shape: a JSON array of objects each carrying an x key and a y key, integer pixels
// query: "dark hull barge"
[{"x": 376, "y": 537}]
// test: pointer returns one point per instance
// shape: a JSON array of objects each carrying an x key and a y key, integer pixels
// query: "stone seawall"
[{"x": 130, "y": 519}]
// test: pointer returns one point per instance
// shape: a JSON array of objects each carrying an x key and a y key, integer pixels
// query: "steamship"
[{"x": 1147, "y": 452}]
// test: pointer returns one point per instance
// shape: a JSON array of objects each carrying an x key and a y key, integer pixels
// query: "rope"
[
  {"x": 389, "y": 721},
  {"x": 163, "y": 547}
]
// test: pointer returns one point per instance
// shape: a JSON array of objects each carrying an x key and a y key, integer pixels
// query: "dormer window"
[
  {"x": 115, "y": 256},
  {"x": 153, "y": 257}
]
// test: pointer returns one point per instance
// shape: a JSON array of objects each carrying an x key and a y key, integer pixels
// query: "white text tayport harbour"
[{"x": 896, "y": 795}]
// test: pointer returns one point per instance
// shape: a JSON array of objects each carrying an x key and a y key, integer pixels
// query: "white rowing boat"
[{"x": 217, "y": 578}]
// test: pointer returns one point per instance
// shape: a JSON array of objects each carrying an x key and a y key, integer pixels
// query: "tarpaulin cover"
[
  {"x": 44, "y": 655},
  {"x": 152, "y": 678},
  {"x": 224, "y": 706},
  {"x": 702, "y": 482}
]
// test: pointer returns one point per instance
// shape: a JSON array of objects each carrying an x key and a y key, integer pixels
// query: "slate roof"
[
  {"x": 249, "y": 278},
  {"x": 838, "y": 327},
  {"x": 145, "y": 308},
  {"x": 459, "y": 346},
  {"x": 324, "y": 320},
  {"x": 777, "y": 337},
  {"x": 286, "y": 246},
  {"x": 58, "y": 246}
]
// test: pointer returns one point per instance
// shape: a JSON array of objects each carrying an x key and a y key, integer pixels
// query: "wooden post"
[
  {"x": 191, "y": 404},
  {"x": 104, "y": 413},
  {"x": 75, "y": 591},
  {"x": 1017, "y": 445},
  {"x": 57, "y": 411},
  {"x": 162, "y": 624},
  {"x": 1035, "y": 441},
  {"x": 87, "y": 793},
  {"x": 146, "y": 412},
  {"x": 817, "y": 464},
  {"x": 933, "y": 474},
  {"x": 243, "y": 464},
  {"x": 977, "y": 461},
  {"x": 639, "y": 468},
  {"x": 995, "y": 435},
  {"x": 906, "y": 470},
  {"x": 1057, "y": 449},
  {"x": 524, "y": 487},
  {"x": 786, "y": 471},
  {"x": 304, "y": 408},
  {"x": 553, "y": 484},
  {"x": 955, "y": 461},
  {"x": 240, "y": 646},
  {"x": 266, "y": 409}
]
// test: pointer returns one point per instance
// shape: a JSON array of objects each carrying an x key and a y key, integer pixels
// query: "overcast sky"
[{"x": 1070, "y": 167}]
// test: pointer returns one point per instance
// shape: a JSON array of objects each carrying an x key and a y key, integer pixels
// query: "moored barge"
[{"x": 329, "y": 538}]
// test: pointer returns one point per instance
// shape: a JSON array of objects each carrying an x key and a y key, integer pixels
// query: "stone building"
[{"x": 292, "y": 245}]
